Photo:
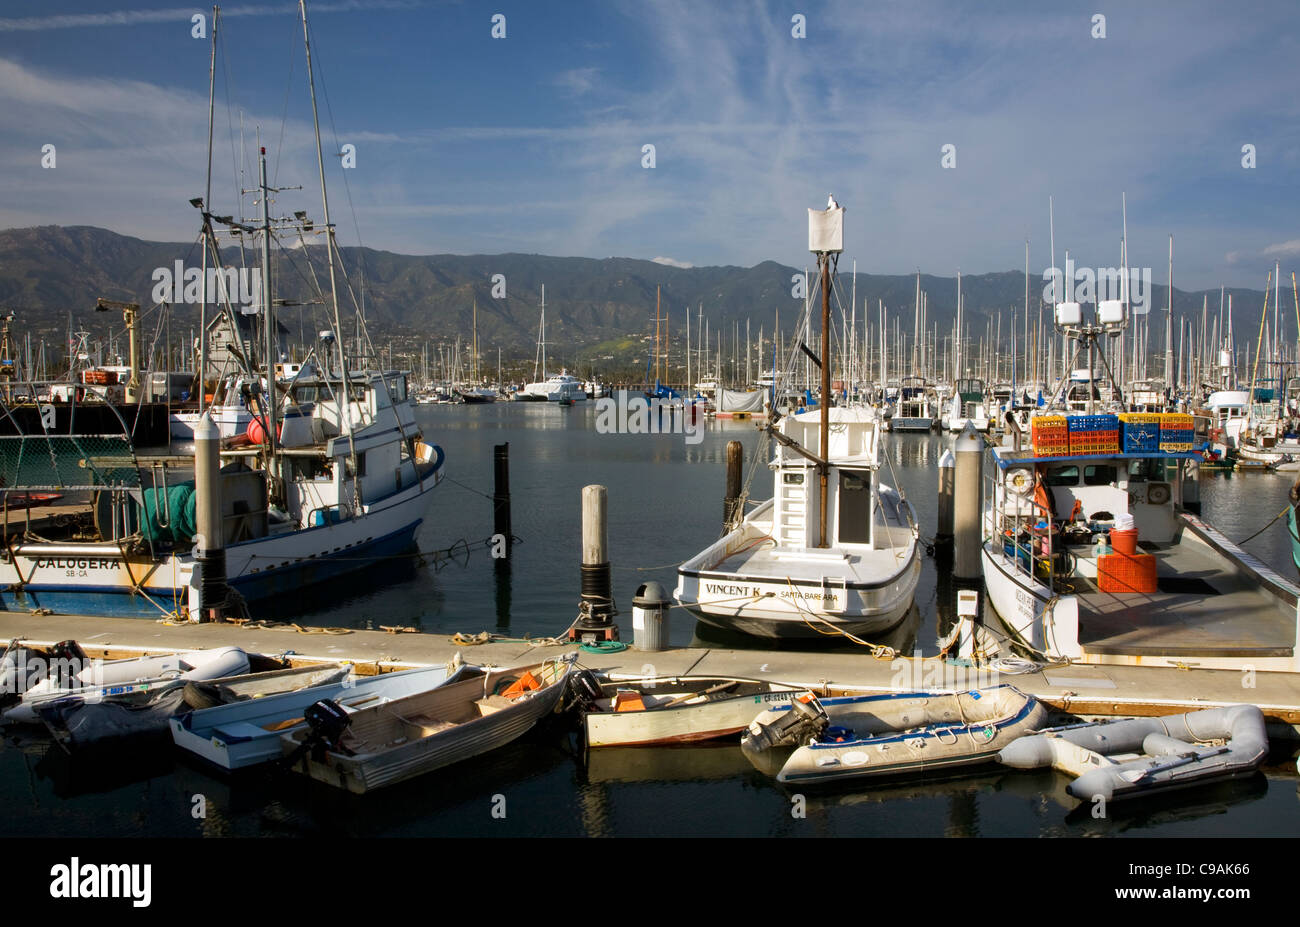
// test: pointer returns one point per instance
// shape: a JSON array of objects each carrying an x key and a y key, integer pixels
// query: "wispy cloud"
[
  {"x": 673, "y": 263},
  {"x": 145, "y": 17}
]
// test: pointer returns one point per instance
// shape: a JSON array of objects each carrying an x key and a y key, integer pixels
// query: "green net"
[
  {"x": 170, "y": 514},
  {"x": 66, "y": 462}
]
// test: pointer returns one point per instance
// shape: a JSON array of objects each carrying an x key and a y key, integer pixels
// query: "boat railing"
[{"x": 1028, "y": 541}]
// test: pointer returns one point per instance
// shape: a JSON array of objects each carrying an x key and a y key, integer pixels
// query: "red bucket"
[{"x": 1124, "y": 541}]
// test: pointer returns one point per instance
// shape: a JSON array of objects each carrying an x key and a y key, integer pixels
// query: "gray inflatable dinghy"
[{"x": 1141, "y": 756}]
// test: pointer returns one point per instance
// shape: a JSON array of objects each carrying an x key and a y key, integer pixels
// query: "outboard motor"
[
  {"x": 584, "y": 690},
  {"x": 67, "y": 660},
  {"x": 327, "y": 722},
  {"x": 805, "y": 721}
]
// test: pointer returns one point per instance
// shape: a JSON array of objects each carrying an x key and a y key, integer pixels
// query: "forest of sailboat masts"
[{"x": 1223, "y": 345}]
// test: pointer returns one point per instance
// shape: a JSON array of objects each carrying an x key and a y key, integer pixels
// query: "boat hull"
[{"x": 779, "y": 608}]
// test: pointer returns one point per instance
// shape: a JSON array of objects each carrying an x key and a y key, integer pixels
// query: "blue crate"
[
  {"x": 1139, "y": 437},
  {"x": 1093, "y": 422}
]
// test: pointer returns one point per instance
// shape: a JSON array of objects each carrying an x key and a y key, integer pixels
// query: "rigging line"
[
  {"x": 288, "y": 87},
  {"x": 347, "y": 189}
]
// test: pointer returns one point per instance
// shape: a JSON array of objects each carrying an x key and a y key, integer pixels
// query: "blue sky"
[{"x": 533, "y": 143}]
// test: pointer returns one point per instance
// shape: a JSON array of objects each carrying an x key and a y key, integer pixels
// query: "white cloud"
[{"x": 673, "y": 263}]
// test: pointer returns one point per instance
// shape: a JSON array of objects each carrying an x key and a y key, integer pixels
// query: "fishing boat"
[
  {"x": 899, "y": 733},
  {"x": 77, "y": 723},
  {"x": 75, "y": 679},
  {"x": 382, "y": 745},
  {"x": 247, "y": 733},
  {"x": 1139, "y": 757},
  {"x": 834, "y": 551},
  {"x": 645, "y": 710},
  {"x": 1170, "y": 589},
  {"x": 967, "y": 405},
  {"x": 774, "y": 576},
  {"x": 334, "y": 475}
]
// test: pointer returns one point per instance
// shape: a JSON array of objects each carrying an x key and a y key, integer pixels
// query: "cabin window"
[
  {"x": 855, "y": 508},
  {"x": 1099, "y": 475},
  {"x": 792, "y": 479},
  {"x": 1148, "y": 469},
  {"x": 1062, "y": 476}
]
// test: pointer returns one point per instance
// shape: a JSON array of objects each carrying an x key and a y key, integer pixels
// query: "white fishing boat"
[
  {"x": 899, "y": 733},
  {"x": 917, "y": 406},
  {"x": 338, "y": 480},
  {"x": 247, "y": 733},
  {"x": 645, "y": 710},
  {"x": 408, "y": 737},
  {"x": 835, "y": 550},
  {"x": 1138, "y": 757},
  {"x": 77, "y": 680},
  {"x": 1178, "y": 592}
]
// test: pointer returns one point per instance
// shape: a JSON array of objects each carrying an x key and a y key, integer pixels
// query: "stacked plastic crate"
[
  {"x": 1176, "y": 432},
  {"x": 1093, "y": 434},
  {"x": 1139, "y": 432},
  {"x": 1050, "y": 435}
]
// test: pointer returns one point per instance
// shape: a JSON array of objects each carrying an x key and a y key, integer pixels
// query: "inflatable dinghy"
[
  {"x": 885, "y": 735},
  {"x": 1139, "y": 756}
]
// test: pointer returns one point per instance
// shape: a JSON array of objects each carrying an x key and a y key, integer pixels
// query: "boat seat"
[
  {"x": 492, "y": 704},
  {"x": 240, "y": 731}
]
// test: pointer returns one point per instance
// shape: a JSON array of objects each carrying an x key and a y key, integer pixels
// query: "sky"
[{"x": 535, "y": 141}]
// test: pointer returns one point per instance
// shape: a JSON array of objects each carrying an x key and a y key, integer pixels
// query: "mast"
[
  {"x": 346, "y": 420},
  {"x": 207, "y": 205},
  {"x": 268, "y": 318}
]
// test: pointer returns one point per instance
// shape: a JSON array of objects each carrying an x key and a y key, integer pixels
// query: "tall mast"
[
  {"x": 329, "y": 226},
  {"x": 207, "y": 205}
]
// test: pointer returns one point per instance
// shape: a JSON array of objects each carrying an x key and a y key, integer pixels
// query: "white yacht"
[{"x": 556, "y": 388}]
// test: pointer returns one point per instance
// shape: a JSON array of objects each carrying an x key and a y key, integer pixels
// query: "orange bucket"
[{"x": 1124, "y": 541}]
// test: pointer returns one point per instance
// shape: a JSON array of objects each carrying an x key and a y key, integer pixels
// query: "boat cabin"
[{"x": 853, "y": 453}]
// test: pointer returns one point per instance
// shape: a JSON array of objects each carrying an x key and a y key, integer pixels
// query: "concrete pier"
[{"x": 1087, "y": 691}]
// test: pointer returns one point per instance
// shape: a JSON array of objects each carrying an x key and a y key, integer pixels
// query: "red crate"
[{"x": 1127, "y": 573}]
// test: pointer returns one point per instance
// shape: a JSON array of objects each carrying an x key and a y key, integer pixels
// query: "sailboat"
[
  {"x": 558, "y": 387},
  {"x": 336, "y": 479},
  {"x": 834, "y": 550},
  {"x": 476, "y": 394}
]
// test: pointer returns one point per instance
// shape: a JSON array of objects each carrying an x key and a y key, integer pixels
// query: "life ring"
[
  {"x": 1158, "y": 493},
  {"x": 438, "y": 457},
  {"x": 1021, "y": 481}
]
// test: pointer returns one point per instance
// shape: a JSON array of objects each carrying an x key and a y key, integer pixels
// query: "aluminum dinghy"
[
  {"x": 409, "y": 737},
  {"x": 246, "y": 733},
  {"x": 872, "y": 736},
  {"x": 1142, "y": 756}
]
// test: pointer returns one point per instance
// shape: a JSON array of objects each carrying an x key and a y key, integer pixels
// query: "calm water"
[{"x": 665, "y": 503}]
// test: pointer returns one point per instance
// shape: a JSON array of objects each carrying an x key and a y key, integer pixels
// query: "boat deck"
[
  {"x": 859, "y": 565},
  {"x": 1201, "y": 609}
]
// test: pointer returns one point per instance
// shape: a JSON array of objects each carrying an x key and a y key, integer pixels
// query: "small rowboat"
[
  {"x": 872, "y": 736},
  {"x": 76, "y": 723},
  {"x": 412, "y": 736},
  {"x": 676, "y": 709},
  {"x": 246, "y": 733},
  {"x": 1142, "y": 756}
]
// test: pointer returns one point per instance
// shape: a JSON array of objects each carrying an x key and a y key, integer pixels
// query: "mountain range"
[{"x": 597, "y": 310}]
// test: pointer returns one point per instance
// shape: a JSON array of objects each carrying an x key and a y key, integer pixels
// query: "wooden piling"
[{"x": 731, "y": 513}]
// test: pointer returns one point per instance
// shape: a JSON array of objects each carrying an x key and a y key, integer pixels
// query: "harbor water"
[{"x": 665, "y": 504}]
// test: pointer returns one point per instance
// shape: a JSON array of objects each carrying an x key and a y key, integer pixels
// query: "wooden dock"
[{"x": 1087, "y": 691}]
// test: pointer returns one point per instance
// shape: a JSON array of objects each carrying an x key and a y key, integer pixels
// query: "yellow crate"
[
  {"x": 1176, "y": 447},
  {"x": 1176, "y": 421},
  {"x": 1049, "y": 421},
  {"x": 1141, "y": 418}
]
